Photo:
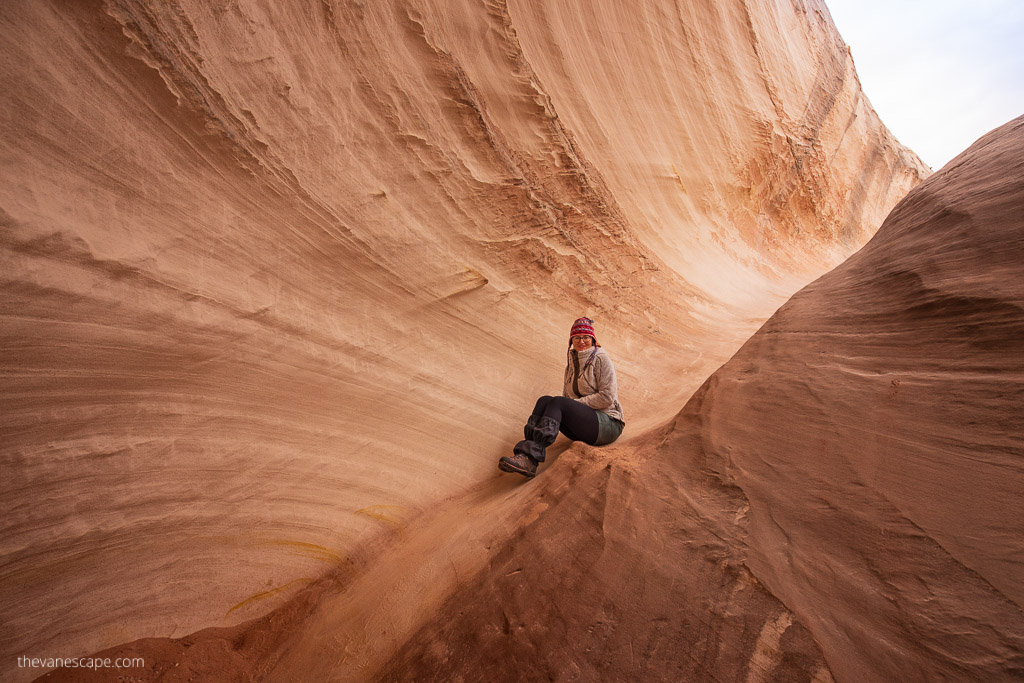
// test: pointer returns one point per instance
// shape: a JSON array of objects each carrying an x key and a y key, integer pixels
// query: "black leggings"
[{"x": 575, "y": 420}]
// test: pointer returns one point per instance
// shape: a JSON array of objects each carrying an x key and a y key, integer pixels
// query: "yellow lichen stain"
[
  {"x": 473, "y": 278},
  {"x": 267, "y": 594},
  {"x": 382, "y": 513},
  {"x": 468, "y": 280},
  {"x": 309, "y": 550},
  {"x": 676, "y": 174}
]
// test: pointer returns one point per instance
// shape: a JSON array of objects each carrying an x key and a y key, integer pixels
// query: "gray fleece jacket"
[{"x": 597, "y": 385}]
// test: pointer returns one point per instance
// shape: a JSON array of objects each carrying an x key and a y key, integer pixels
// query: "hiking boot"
[{"x": 520, "y": 463}]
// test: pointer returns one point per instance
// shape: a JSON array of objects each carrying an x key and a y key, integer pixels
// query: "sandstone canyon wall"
[
  {"x": 277, "y": 277},
  {"x": 850, "y": 480},
  {"x": 840, "y": 501}
]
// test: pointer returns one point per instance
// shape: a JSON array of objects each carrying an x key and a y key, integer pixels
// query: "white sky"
[{"x": 940, "y": 73}]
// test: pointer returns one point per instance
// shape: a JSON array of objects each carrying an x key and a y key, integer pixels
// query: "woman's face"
[{"x": 581, "y": 343}]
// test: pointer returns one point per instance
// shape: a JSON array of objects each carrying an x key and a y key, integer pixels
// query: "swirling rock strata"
[
  {"x": 278, "y": 277},
  {"x": 841, "y": 499}
]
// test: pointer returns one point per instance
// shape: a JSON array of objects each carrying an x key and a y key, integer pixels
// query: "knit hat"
[{"x": 582, "y": 326}]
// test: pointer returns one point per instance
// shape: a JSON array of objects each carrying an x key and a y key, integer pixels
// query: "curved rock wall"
[
  {"x": 276, "y": 277},
  {"x": 874, "y": 426},
  {"x": 840, "y": 501}
]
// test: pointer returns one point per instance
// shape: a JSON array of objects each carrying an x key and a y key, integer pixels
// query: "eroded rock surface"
[
  {"x": 277, "y": 278},
  {"x": 850, "y": 480}
]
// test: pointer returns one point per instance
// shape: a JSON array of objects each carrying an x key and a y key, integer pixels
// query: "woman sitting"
[{"x": 588, "y": 409}]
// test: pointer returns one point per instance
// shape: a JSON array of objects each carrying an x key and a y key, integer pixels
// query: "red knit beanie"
[{"x": 582, "y": 326}]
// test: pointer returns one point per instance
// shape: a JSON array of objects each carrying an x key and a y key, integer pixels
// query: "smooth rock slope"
[
  {"x": 840, "y": 501},
  {"x": 275, "y": 278},
  {"x": 851, "y": 481}
]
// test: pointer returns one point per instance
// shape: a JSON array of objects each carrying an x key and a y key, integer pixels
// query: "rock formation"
[
  {"x": 859, "y": 461},
  {"x": 277, "y": 278},
  {"x": 840, "y": 501}
]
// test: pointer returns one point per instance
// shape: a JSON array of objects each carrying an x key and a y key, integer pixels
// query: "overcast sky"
[{"x": 940, "y": 73}]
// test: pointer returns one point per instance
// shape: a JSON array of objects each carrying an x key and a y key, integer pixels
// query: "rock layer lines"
[{"x": 278, "y": 277}]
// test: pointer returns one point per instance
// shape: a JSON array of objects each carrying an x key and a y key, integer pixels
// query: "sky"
[{"x": 941, "y": 73}]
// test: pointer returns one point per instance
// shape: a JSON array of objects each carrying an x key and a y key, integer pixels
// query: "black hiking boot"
[
  {"x": 520, "y": 463},
  {"x": 540, "y": 432}
]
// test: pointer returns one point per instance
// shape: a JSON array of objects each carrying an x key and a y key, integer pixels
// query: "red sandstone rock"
[
  {"x": 850, "y": 480},
  {"x": 278, "y": 278}
]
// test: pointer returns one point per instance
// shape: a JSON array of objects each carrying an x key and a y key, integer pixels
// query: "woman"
[{"x": 588, "y": 409}]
